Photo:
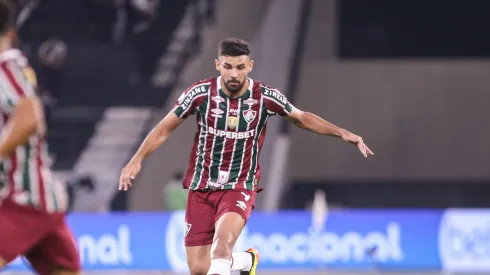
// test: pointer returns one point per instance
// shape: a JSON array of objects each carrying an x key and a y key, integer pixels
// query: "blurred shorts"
[
  {"x": 43, "y": 238},
  {"x": 204, "y": 208}
]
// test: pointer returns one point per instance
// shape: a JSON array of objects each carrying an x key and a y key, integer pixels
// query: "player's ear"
[
  {"x": 217, "y": 63},
  {"x": 250, "y": 65}
]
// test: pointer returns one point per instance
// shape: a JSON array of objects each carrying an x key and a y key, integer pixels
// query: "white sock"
[
  {"x": 220, "y": 267},
  {"x": 241, "y": 262}
]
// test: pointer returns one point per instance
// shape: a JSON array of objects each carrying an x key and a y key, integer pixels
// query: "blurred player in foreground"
[
  {"x": 32, "y": 201},
  {"x": 223, "y": 172}
]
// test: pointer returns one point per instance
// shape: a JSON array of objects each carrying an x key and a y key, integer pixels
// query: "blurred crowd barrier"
[{"x": 451, "y": 240}]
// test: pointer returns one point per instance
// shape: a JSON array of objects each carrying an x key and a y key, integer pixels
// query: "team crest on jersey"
[
  {"x": 249, "y": 115},
  {"x": 232, "y": 122}
]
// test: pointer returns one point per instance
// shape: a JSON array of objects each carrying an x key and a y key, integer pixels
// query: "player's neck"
[
  {"x": 5, "y": 44},
  {"x": 238, "y": 94}
]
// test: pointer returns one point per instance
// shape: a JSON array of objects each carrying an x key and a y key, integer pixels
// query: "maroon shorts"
[
  {"x": 204, "y": 208},
  {"x": 43, "y": 238}
]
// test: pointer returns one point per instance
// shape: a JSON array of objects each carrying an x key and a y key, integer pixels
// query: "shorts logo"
[
  {"x": 187, "y": 228},
  {"x": 249, "y": 115},
  {"x": 241, "y": 204},
  {"x": 247, "y": 197}
]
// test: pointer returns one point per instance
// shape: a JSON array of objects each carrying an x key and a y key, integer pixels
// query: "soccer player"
[
  {"x": 32, "y": 200},
  {"x": 223, "y": 173}
]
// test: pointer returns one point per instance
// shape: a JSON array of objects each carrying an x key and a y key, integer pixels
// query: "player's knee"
[
  {"x": 66, "y": 272},
  {"x": 3, "y": 262},
  {"x": 198, "y": 268},
  {"x": 222, "y": 248}
]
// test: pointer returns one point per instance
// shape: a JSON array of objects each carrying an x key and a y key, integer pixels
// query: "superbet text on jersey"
[{"x": 230, "y": 133}]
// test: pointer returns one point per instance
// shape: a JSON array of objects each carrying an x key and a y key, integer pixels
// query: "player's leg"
[
  {"x": 56, "y": 254},
  {"x": 234, "y": 208},
  {"x": 21, "y": 229},
  {"x": 198, "y": 259},
  {"x": 199, "y": 232},
  {"x": 228, "y": 228}
]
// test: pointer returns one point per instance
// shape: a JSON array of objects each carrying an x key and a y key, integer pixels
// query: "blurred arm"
[
  {"x": 27, "y": 118},
  {"x": 157, "y": 136}
]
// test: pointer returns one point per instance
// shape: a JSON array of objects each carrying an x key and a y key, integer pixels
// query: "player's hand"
[
  {"x": 357, "y": 140},
  {"x": 128, "y": 173}
]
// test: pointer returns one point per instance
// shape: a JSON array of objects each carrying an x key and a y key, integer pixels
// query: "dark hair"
[
  {"x": 233, "y": 47},
  {"x": 7, "y": 14}
]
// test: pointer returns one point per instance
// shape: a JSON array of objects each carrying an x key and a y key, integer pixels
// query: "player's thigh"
[
  {"x": 241, "y": 202},
  {"x": 198, "y": 259},
  {"x": 56, "y": 253},
  {"x": 199, "y": 220},
  {"x": 234, "y": 209},
  {"x": 21, "y": 229}
]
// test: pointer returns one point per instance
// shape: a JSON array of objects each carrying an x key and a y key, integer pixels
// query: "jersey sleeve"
[
  {"x": 190, "y": 100},
  {"x": 17, "y": 82},
  {"x": 275, "y": 102}
]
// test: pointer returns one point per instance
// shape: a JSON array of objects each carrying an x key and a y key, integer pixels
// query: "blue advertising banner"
[
  {"x": 464, "y": 240},
  {"x": 350, "y": 239}
]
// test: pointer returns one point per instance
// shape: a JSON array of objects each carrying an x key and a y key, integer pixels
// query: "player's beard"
[{"x": 236, "y": 87}]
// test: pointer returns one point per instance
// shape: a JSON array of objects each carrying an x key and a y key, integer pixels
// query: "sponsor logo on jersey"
[
  {"x": 232, "y": 122},
  {"x": 250, "y": 101},
  {"x": 249, "y": 115},
  {"x": 234, "y": 112},
  {"x": 276, "y": 95},
  {"x": 231, "y": 135},
  {"x": 217, "y": 111},
  {"x": 190, "y": 95},
  {"x": 218, "y": 99}
]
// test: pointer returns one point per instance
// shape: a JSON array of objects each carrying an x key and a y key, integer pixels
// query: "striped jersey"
[
  {"x": 25, "y": 176},
  {"x": 230, "y": 133}
]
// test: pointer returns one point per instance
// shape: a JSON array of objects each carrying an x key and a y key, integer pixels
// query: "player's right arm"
[
  {"x": 153, "y": 140},
  {"x": 186, "y": 105},
  {"x": 18, "y": 98}
]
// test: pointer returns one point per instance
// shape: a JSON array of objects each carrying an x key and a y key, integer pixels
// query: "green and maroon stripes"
[
  {"x": 31, "y": 182},
  {"x": 219, "y": 142},
  {"x": 220, "y": 149},
  {"x": 229, "y": 149},
  {"x": 204, "y": 120},
  {"x": 254, "y": 149}
]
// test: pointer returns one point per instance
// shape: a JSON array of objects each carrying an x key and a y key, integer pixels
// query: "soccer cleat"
[{"x": 255, "y": 262}]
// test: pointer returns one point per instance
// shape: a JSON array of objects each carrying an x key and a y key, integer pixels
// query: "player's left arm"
[{"x": 316, "y": 124}]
